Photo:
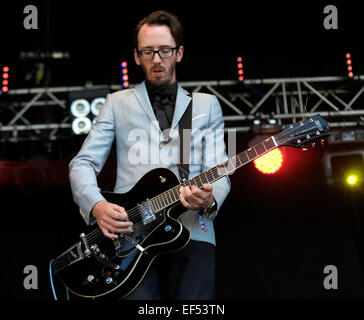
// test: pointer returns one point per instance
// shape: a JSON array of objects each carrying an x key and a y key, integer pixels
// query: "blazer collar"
[{"x": 182, "y": 101}]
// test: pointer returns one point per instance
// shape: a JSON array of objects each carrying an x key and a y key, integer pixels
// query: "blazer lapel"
[
  {"x": 143, "y": 98},
  {"x": 182, "y": 101}
]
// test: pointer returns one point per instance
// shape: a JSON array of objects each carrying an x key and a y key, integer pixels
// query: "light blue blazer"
[{"x": 141, "y": 146}]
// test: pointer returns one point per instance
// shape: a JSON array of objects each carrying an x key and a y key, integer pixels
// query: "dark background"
[{"x": 275, "y": 234}]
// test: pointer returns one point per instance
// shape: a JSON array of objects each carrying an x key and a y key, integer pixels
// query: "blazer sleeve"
[
  {"x": 214, "y": 152},
  {"x": 87, "y": 164}
]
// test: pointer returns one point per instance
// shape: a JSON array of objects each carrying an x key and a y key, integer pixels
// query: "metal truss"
[{"x": 43, "y": 113}]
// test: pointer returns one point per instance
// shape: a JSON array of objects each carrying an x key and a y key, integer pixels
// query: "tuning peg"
[{"x": 313, "y": 144}]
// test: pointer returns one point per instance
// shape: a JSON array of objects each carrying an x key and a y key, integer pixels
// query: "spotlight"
[
  {"x": 344, "y": 167},
  {"x": 352, "y": 179},
  {"x": 270, "y": 162},
  {"x": 81, "y": 125},
  {"x": 80, "y": 108},
  {"x": 96, "y": 105}
]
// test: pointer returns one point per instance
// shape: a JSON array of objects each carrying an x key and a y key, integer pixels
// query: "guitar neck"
[{"x": 171, "y": 196}]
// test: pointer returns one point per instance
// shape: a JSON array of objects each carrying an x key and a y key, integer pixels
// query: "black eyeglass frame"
[{"x": 156, "y": 51}]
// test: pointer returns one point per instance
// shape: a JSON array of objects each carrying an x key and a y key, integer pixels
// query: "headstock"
[{"x": 300, "y": 133}]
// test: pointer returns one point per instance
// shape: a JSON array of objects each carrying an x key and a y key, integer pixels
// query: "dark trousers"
[{"x": 187, "y": 274}]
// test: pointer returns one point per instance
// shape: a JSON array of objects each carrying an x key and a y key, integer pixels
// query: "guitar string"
[{"x": 135, "y": 212}]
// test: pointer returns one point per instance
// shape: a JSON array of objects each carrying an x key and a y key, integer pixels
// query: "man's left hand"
[{"x": 195, "y": 198}]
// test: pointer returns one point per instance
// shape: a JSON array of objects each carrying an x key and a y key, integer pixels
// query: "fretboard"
[{"x": 229, "y": 166}]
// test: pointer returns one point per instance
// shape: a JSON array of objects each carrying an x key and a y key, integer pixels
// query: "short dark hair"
[{"x": 161, "y": 18}]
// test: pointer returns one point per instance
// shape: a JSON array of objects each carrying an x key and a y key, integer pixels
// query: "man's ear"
[
  {"x": 136, "y": 57},
  {"x": 180, "y": 53}
]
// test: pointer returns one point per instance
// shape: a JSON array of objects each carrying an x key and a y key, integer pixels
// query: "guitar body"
[{"x": 96, "y": 266}]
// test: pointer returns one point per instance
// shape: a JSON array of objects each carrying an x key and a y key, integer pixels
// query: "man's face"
[{"x": 159, "y": 72}]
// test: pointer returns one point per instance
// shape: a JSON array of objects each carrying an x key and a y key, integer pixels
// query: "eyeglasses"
[{"x": 163, "y": 53}]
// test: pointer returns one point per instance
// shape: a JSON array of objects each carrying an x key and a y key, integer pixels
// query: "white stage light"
[
  {"x": 96, "y": 105},
  {"x": 81, "y": 125},
  {"x": 80, "y": 108}
]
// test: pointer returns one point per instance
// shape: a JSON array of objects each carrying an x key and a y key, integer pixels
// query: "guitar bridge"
[{"x": 146, "y": 212}]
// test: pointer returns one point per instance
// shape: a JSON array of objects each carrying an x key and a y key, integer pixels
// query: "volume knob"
[{"x": 109, "y": 280}]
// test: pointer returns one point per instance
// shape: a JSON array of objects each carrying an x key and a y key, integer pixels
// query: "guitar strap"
[{"x": 185, "y": 142}]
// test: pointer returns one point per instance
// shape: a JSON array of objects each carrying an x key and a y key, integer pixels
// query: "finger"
[
  {"x": 118, "y": 208},
  {"x": 184, "y": 202},
  {"x": 119, "y": 213},
  {"x": 116, "y": 224},
  {"x": 123, "y": 229},
  {"x": 108, "y": 234},
  {"x": 195, "y": 196},
  {"x": 186, "y": 191},
  {"x": 207, "y": 187},
  {"x": 197, "y": 192}
]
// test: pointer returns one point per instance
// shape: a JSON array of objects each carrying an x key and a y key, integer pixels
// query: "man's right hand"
[{"x": 111, "y": 219}]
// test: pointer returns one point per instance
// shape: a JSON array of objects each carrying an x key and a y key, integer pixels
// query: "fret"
[
  {"x": 217, "y": 173},
  {"x": 233, "y": 162},
  {"x": 260, "y": 149},
  {"x": 251, "y": 153},
  {"x": 154, "y": 207},
  {"x": 269, "y": 144},
  {"x": 157, "y": 205},
  {"x": 176, "y": 193},
  {"x": 210, "y": 176},
  {"x": 244, "y": 159},
  {"x": 188, "y": 183},
  {"x": 164, "y": 200},
  {"x": 201, "y": 180},
  {"x": 262, "y": 144},
  {"x": 220, "y": 167},
  {"x": 206, "y": 179},
  {"x": 240, "y": 163},
  {"x": 211, "y": 171},
  {"x": 169, "y": 197},
  {"x": 157, "y": 202},
  {"x": 196, "y": 182}
]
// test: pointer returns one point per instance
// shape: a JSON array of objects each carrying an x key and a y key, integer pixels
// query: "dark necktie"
[{"x": 163, "y": 101}]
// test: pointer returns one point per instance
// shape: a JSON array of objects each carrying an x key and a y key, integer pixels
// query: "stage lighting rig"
[
  {"x": 80, "y": 109},
  {"x": 85, "y": 107}
]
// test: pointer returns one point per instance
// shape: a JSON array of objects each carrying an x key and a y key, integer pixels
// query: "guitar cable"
[{"x": 51, "y": 281}]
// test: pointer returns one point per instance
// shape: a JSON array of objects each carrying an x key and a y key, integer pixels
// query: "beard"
[{"x": 158, "y": 75}]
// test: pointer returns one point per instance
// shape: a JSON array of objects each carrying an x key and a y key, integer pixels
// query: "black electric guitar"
[{"x": 98, "y": 267}]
